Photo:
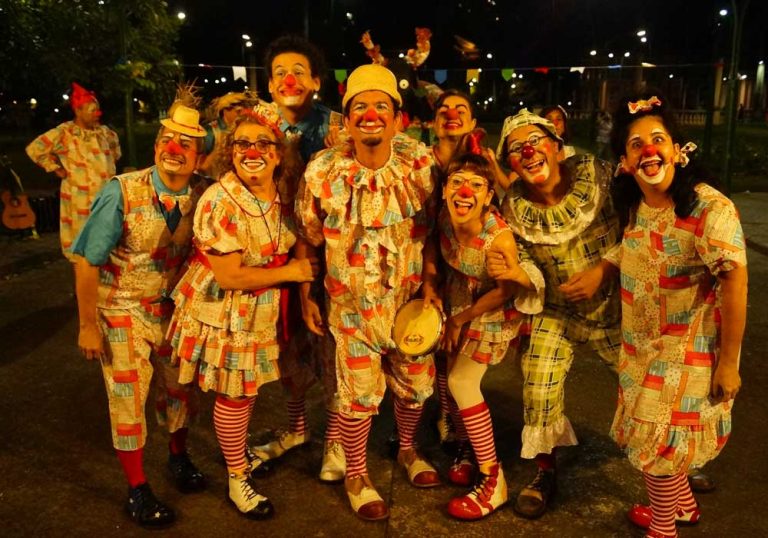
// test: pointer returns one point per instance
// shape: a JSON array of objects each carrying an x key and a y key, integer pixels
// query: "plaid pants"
[
  {"x": 132, "y": 355},
  {"x": 545, "y": 366}
]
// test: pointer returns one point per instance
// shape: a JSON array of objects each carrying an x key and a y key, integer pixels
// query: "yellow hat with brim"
[
  {"x": 372, "y": 77},
  {"x": 185, "y": 120}
]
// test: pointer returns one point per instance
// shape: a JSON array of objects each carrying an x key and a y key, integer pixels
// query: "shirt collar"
[{"x": 161, "y": 188}]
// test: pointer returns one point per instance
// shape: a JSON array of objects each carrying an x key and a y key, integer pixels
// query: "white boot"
[
  {"x": 246, "y": 499},
  {"x": 283, "y": 443},
  {"x": 334, "y": 462}
]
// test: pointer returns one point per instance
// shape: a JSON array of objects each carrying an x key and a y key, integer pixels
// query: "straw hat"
[
  {"x": 185, "y": 120},
  {"x": 372, "y": 77}
]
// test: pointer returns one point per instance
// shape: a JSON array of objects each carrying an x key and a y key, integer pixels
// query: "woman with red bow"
[
  {"x": 484, "y": 315},
  {"x": 230, "y": 321}
]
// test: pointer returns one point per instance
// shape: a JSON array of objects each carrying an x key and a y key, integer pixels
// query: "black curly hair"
[
  {"x": 299, "y": 45},
  {"x": 625, "y": 191}
]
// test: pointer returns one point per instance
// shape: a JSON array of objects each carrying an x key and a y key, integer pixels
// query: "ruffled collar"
[
  {"x": 244, "y": 198},
  {"x": 553, "y": 225}
]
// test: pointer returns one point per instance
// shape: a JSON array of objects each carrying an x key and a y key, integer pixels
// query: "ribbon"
[
  {"x": 474, "y": 142},
  {"x": 643, "y": 105},
  {"x": 689, "y": 147},
  {"x": 441, "y": 75},
  {"x": 170, "y": 201}
]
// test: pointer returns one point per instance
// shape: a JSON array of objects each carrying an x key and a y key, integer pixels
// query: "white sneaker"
[
  {"x": 246, "y": 499},
  {"x": 334, "y": 462},
  {"x": 283, "y": 443}
]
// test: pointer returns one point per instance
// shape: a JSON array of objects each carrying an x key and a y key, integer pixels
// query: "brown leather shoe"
[
  {"x": 701, "y": 482},
  {"x": 364, "y": 499},
  {"x": 420, "y": 473}
]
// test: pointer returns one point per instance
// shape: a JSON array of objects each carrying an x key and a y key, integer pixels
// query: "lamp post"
[{"x": 738, "y": 25}]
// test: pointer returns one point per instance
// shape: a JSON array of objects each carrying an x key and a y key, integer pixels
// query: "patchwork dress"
[
  {"x": 88, "y": 156},
  {"x": 228, "y": 340},
  {"x": 374, "y": 224},
  {"x": 488, "y": 336},
  {"x": 666, "y": 420},
  {"x": 562, "y": 240}
]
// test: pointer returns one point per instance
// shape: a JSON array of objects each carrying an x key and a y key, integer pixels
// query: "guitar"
[{"x": 17, "y": 213}]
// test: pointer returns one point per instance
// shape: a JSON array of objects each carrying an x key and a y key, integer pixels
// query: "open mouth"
[
  {"x": 171, "y": 163},
  {"x": 462, "y": 206},
  {"x": 535, "y": 167},
  {"x": 253, "y": 166},
  {"x": 370, "y": 128},
  {"x": 651, "y": 166},
  {"x": 452, "y": 124}
]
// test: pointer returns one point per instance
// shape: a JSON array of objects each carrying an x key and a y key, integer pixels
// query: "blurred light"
[
  {"x": 65, "y": 97},
  {"x": 640, "y": 33},
  {"x": 490, "y": 99},
  {"x": 626, "y": 54},
  {"x": 223, "y": 79},
  {"x": 514, "y": 75},
  {"x": 489, "y": 56},
  {"x": 135, "y": 100},
  {"x": 743, "y": 77},
  {"x": 514, "y": 86},
  {"x": 593, "y": 52},
  {"x": 610, "y": 55},
  {"x": 643, "y": 40},
  {"x": 497, "y": 18},
  {"x": 520, "y": 75},
  {"x": 479, "y": 69},
  {"x": 723, "y": 12},
  {"x": 646, "y": 64},
  {"x": 181, "y": 15},
  {"x": 33, "y": 101},
  {"x": 401, "y": 55},
  {"x": 216, "y": 81},
  {"x": 248, "y": 44},
  {"x": 205, "y": 80},
  {"x": 671, "y": 75},
  {"x": 200, "y": 65},
  {"x": 101, "y": 3},
  {"x": 245, "y": 37},
  {"x": 725, "y": 78},
  {"x": 349, "y": 16},
  {"x": 56, "y": 109},
  {"x": 471, "y": 83},
  {"x": 570, "y": 103},
  {"x": 760, "y": 62},
  {"x": 521, "y": 103}
]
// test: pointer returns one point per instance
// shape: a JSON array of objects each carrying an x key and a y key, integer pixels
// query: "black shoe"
[
  {"x": 186, "y": 476},
  {"x": 701, "y": 482},
  {"x": 530, "y": 506},
  {"x": 259, "y": 468},
  {"x": 146, "y": 510}
]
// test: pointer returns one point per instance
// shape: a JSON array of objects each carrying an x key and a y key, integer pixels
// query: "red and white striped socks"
[
  {"x": 407, "y": 420},
  {"x": 297, "y": 416},
  {"x": 230, "y": 421},
  {"x": 685, "y": 502},
  {"x": 332, "y": 431},
  {"x": 664, "y": 493},
  {"x": 477, "y": 421},
  {"x": 458, "y": 422},
  {"x": 354, "y": 438},
  {"x": 441, "y": 381}
]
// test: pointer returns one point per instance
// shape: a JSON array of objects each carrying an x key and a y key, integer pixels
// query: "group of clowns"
[{"x": 527, "y": 249}]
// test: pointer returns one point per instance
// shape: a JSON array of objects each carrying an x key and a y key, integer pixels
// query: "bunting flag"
[
  {"x": 507, "y": 73},
  {"x": 542, "y": 70},
  {"x": 238, "y": 73},
  {"x": 473, "y": 74},
  {"x": 579, "y": 69},
  {"x": 340, "y": 75},
  {"x": 441, "y": 75}
]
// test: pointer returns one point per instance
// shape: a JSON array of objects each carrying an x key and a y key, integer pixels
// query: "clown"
[
  {"x": 224, "y": 331},
  {"x": 82, "y": 153},
  {"x": 129, "y": 254},
  {"x": 684, "y": 301},
  {"x": 228, "y": 108},
  {"x": 484, "y": 317},
  {"x": 562, "y": 215},
  {"x": 369, "y": 201}
]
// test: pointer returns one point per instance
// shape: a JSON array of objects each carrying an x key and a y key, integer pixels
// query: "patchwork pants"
[{"x": 134, "y": 350}]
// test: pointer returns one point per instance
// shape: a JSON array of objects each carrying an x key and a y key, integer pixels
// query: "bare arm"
[
  {"x": 726, "y": 381},
  {"x": 310, "y": 310},
  {"x": 584, "y": 285},
  {"x": 502, "y": 262},
  {"x": 89, "y": 340},
  {"x": 231, "y": 274}
]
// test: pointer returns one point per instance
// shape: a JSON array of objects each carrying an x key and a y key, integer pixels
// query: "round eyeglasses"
[{"x": 261, "y": 145}]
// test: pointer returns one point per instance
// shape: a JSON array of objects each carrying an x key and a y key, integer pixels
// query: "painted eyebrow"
[
  {"x": 633, "y": 137},
  {"x": 659, "y": 131},
  {"x": 462, "y": 105}
]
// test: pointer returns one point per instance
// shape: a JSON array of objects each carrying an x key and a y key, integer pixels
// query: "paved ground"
[{"x": 60, "y": 477}]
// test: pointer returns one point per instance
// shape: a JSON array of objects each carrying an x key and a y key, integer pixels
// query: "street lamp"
[{"x": 181, "y": 15}]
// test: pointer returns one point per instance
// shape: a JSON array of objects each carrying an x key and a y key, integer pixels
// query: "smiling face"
[
  {"x": 291, "y": 83},
  {"x": 176, "y": 157},
  {"x": 557, "y": 119},
  {"x": 467, "y": 196},
  {"x": 255, "y": 153},
  {"x": 453, "y": 118},
  {"x": 532, "y": 154},
  {"x": 372, "y": 119},
  {"x": 650, "y": 154}
]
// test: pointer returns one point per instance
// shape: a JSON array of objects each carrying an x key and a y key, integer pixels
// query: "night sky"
[{"x": 519, "y": 33}]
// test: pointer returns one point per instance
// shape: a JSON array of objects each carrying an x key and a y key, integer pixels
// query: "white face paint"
[{"x": 650, "y": 152}]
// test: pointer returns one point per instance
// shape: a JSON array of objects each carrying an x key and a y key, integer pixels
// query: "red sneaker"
[{"x": 641, "y": 516}]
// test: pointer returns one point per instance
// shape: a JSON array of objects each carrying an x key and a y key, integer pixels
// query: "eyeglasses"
[
  {"x": 261, "y": 145},
  {"x": 475, "y": 183},
  {"x": 533, "y": 140}
]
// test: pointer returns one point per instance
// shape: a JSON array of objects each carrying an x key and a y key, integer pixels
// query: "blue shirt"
[
  {"x": 209, "y": 142},
  {"x": 104, "y": 227},
  {"x": 313, "y": 129}
]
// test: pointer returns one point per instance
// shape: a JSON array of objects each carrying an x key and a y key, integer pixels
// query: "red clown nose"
[
  {"x": 451, "y": 114},
  {"x": 252, "y": 153},
  {"x": 465, "y": 191},
  {"x": 173, "y": 148},
  {"x": 370, "y": 115},
  {"x": 527, "y": 151},
  {"x": 649, "y": 150},
  {"x": 290, "y": 80}
]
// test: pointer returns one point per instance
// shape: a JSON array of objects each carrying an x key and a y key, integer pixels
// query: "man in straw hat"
[
  {"x": 129, "y": 254},
  {"x": 369, "y": 201},
  {"x": 82, "y": 153}
]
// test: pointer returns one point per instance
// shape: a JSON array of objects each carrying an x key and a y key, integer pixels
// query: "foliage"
[{"x": 111, "y": 46}]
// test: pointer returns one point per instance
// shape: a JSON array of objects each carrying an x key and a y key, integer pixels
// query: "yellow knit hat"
[{"x": 372, "y": 77}]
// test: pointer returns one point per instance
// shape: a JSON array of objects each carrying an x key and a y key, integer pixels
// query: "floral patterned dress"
[
  {"x": 666, "y": 420},
  {"x": 228, "y": 339}
]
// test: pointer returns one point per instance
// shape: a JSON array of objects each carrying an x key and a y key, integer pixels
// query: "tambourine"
[{"x": 417, "y": 330}]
